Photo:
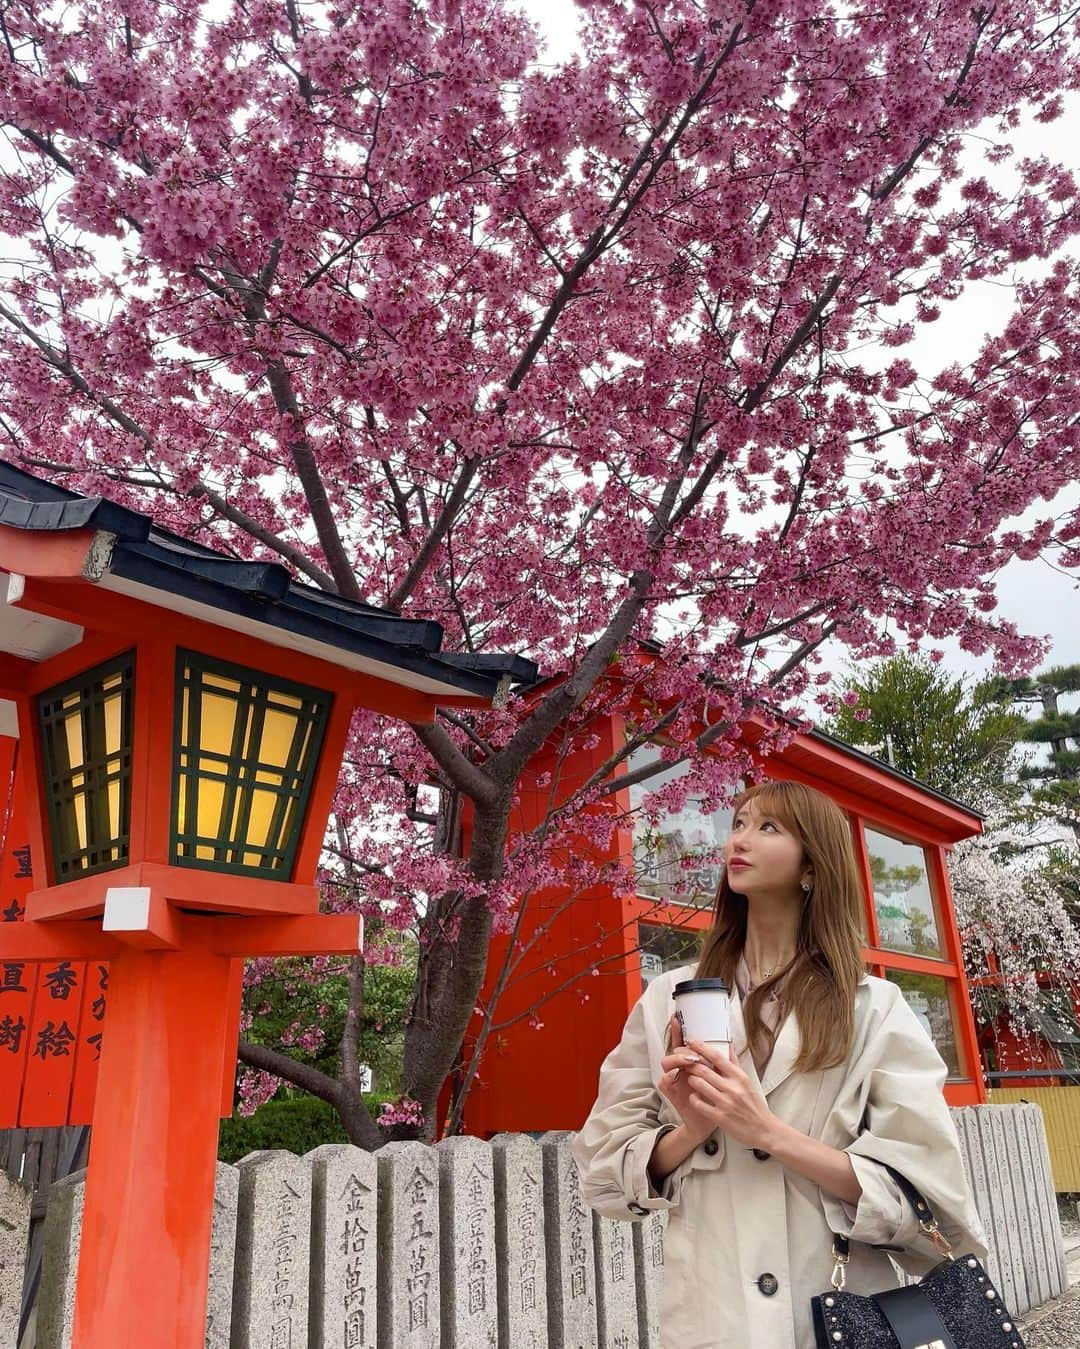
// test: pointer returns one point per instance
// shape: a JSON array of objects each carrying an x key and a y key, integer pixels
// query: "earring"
[{"x": 807, "y": 886}]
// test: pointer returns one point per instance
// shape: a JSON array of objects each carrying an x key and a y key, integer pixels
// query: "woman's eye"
[{"x": 768, "y": 824}]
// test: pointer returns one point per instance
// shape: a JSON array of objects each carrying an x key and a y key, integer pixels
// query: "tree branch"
[
  {"x": 464, "y": 774},
  {"x": 303, "y": 1075},
  {"x": 436, "y": 534}
]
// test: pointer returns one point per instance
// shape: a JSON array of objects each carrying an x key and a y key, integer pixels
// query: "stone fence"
[{"x": 475, "y": 1245}]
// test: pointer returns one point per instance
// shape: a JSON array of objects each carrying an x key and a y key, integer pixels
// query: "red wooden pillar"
[
  {"x": 973, "y": 1092},
  {"x": 149, "y": 1193}
]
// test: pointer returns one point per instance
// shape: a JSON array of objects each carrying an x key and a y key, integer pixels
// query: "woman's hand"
[
  {"x": 676, "y": 1085},
  {"x": 717, "y": 1090}
]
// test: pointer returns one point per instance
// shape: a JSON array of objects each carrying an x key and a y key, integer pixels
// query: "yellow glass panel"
[
  {"x": 218, "y": 681},
  {"x": 249, "y": 733},
  {"x": 211, "y": 803},
  {"x": 79, "y": 810},
  {"x": 261, "y": 818},
  {"x": 269, "y": 777},
  {"x": 181, "y": 812},
  {"x": 204, "y": 852},
  {"x": 288, "y": 701},
  {"x": 113, "y": 708},
  {"x": 77, "y": 781},
  {"x": 229, "y": 827},
  {"x": 308, "y": 731},
  {"x": 185, "y": 712},
  {"x": 74, "y": 736},
  {"x": 288, "y": 823},
  {"x": 218, "y": 724},
  {"x": 254, "y": 859},
  {"x": 114, "y": 808},
  {"x": 279, "y": 728}
]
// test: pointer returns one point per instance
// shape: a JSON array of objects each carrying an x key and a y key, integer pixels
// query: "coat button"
[
  {"x": 712, "y": 1147},
  {"x": 637, "y": 1208},
  {"x": 762, "y": 1155},
  {"x": 768, "y": 1284}
]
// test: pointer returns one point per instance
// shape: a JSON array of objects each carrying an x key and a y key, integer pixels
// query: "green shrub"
[{"x": 296, "y": 1123}]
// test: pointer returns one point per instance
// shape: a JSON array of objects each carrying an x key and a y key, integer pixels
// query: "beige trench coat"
[{"x": 736, "y": 1214}]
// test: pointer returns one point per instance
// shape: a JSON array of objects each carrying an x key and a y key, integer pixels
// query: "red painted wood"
[
  {"x": 313, "y": 833},
  {"x": 232, "y": 1038},
  {"x": 187, "y": 887},
  {"x": 33, "y": 553},
  {"x": 152, "y": 757},
  {"x": 544, "y": 1077},
  {"x": 18, "y": 978},
  {"x": 967, "y": 1041},
  {"x": 146, "y": 1224},
  {"x": 88, "y": 1049},
  {"x": 52, "y": 1037}
]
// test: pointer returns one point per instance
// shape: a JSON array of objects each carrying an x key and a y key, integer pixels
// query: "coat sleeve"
[
  {"x": 613, "y": 1147},
  {"x": 891, "y": 1111}
]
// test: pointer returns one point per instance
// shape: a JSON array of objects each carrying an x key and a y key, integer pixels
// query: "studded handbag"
[{"x": 955, "y": 1306}]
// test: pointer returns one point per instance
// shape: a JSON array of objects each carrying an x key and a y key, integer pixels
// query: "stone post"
[
  {"x": 14, "y": 1231},
  {"x": 409, "y": 1246},
  {"x": 273, "y": 1252},
  {"x": 571, "y": 1271},
  {"x": 219, "y": 1296},
  {"x": 649, "y": 1266},
  {"x": 344, "y": 1245},
  {"x": 521, "y": 1258},
  {"x": 467, "y": 1232},
  {"x": 60, "y": 1262}
]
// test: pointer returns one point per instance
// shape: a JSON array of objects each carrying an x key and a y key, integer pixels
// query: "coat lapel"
[
  {"x": 738, "y": 1039},
  {"x": 785, "y": 1051}
]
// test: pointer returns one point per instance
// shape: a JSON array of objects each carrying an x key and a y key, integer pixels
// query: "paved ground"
[{"x": 1056, "y": 1325}]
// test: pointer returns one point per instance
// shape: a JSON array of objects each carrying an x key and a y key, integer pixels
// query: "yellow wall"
[{"x": 1061, "y": 1115}]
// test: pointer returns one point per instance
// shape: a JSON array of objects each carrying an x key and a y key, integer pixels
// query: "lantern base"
[{"x": 183, "y": 887}]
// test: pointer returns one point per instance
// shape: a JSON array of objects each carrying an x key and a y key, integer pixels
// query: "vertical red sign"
[
  {"x": 88, "y": 1048},
  {"x": 51, "y": 1012},
  {"x": 17, "y": 977}
]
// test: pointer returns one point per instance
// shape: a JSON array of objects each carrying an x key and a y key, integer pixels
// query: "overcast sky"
[{"x": 1039, "y": 599}]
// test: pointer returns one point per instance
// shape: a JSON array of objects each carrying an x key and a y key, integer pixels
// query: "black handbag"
[{"x": 955, "y": 1306}]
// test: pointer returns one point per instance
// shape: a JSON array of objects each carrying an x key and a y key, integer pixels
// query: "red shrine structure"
[
  {"x": 600, "y": 948},
  {"x": 174, "y": 722}
]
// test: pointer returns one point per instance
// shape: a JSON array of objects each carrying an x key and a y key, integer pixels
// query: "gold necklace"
[{"x": 755, "y": 980}]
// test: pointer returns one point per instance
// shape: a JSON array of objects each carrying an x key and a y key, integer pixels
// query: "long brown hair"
[{"x": 819, "y": 984}]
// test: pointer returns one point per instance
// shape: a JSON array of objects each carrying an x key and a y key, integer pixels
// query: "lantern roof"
[{"x": 130, "y": 555}]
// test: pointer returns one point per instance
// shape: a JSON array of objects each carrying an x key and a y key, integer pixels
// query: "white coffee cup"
[{"x": 703, "y": 1010}]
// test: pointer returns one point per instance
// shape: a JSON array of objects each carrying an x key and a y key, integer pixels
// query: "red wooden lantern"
[{"x": 181, "y": 720}]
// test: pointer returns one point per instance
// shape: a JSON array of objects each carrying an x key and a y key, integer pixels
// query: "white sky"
[{"x": 1039, "y": 599}]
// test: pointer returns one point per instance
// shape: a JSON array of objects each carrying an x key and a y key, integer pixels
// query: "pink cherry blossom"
[{"x": 573, "y": 358}]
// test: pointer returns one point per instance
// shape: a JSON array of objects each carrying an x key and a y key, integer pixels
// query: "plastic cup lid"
[{"x": 699, "y": 986}]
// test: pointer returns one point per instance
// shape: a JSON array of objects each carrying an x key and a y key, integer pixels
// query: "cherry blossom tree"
[
  {"x": 564, "y": 357},
  {"x": 1021, "y": 945}
]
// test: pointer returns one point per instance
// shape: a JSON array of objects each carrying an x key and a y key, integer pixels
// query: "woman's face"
[{"x": 762, "y": 855}]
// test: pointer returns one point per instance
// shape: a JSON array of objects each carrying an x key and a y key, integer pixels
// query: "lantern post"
[{"x": 182, "y": 719}]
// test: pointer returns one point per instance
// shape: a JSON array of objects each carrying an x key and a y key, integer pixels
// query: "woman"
[{"x": 758, "y": 1156}]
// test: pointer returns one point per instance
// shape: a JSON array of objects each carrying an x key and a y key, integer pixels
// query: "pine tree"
[
  {"x": 953, "y": 737},
  {"x": 1055, "y": 781}
]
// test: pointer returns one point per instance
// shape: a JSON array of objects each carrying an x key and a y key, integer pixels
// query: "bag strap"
[
  {"x": 923, "y": 1211},
  {"x": 913, "y": 1319}
]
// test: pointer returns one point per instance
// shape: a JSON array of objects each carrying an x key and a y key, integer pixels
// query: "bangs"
[{"x": 772, "y": 798}]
